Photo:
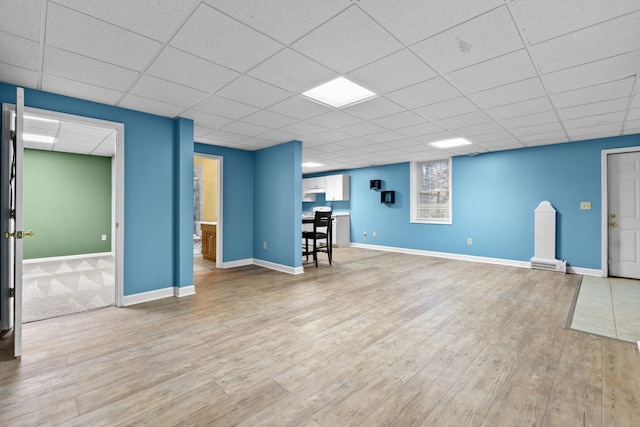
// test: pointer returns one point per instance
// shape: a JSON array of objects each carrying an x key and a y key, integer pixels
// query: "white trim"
[
  {"x": 148, "y": 296},
  {"x": 117, "y": 222},
  {"x": 237, "y": 263},
  {"x": 67, "y": 257},
  {"x": 278, "y": 267},
  {"x": 184, "y": 291},
  {"x": 472, "y": 258},
  {"x": 413, "y": 201},
  {"x": 605, "y": 203}
]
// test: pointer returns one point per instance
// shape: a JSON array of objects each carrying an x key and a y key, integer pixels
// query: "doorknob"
[
  {"x": 19, "y": 234},
  {"x": 613, "y": 224}
]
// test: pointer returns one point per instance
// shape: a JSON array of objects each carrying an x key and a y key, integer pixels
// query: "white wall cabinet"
[
  {"x": 311, "y": 186},
  {"x": 337, "y": 187}
]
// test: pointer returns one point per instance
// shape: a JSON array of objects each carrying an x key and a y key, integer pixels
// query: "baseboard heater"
[{"x": 544, "y": 244}]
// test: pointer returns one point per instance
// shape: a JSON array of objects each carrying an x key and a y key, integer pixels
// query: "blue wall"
[
  {"x": 277, "y": 211},
  {"x": 494, "y": 196},
  {"x": 152, "y": 167},
  {"x": 262, "y": 202}
]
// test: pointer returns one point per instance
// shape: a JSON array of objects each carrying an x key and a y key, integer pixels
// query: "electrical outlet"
[
  {"x": 469, "y": 241},
  {"x": 104, "y": 237},
  {"x": 264, "y": 245},
  {"x": 585, "y": 206},
  {"x": 374, "y": 234}
]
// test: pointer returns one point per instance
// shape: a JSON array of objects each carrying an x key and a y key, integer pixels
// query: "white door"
[
  {"x": 623, "y": 177},
  {"x": 12, "y": 233}
]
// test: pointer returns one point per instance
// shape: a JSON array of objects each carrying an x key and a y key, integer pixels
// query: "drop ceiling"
[{"x": 502, "y": 74}]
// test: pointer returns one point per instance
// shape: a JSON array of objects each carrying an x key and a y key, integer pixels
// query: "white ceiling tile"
[
  {"x": 334, "y": 120},
  {"x": 393, "y": 72},
  {"x": 421, "y": 129},
  {"x": 253, "y": 92},
  {"x": 289, "y": 70},
  {"x": 590, "y": 44},
  {"x": 200, "y": 130},
  {"x": 353, "y": 143},
  {"x": 188, "y": 70},
  {"x": 536, "y": 129},
  {"x": 522, "y": 108},
  {"x": 449, "y": 108},
  {"x": 385, "y": 136},
  {"x": 601, "y": 92},
  {"x": 632, "y": 127},
  {"x": 220, "y": 39},
  {"x": 509, "y": 93},
  {"x": 284, "y": 20},
  {"x": 549, "y": 141},
  {"x": 495, "y": 72},
  {"x": 171, "y": 93},
  {"x": 416, "y": 20},
  {"x": 348, "y": 41},
  {"x": 530, "y": 120},
  {"x": 22, "y": 18},
  {"x": 139, "y": 103},
  {"x": 464, "y": 120},
  {"x": 606, "y": 70},
  {"x": 303, "y": 128},
  {"x": 332, "y": 136},
  {"x": 635, "y": 103},
  {"x": 268, "y": 119},
  {"x": 600, "y": 119},
  {"x": 224, "y": 107},
  {"x": 546, "y": 19},
  {"x": 80, "y": 90},
  {"x": 399, "y": 120},
  {"x": 499, "y": 143},
  {"x": 425, "y": 93},
  {"x": 362, "y": 129},
  {"x": 299, "y": 108},
  {"x": 542, "y": 137},
  {"x": 594, "y": 109},
  {"x": 488, "y": 138},
  {"x": 210, "y": 121},
  {"x": 79, "y": 33},
  {"x": 634, "y": 114},
  {"x": 87, "y": 70},
  {"x": 402, "y": 144},
  {"x": 18, "y": 76},
  {"x": 19, "y": 51},
  {"x": 225, "y": 137},
  {"x": 243, "y": 128},
  {"x": 487, "y": 36},
  {"x": 592, "y": 132},
  {"x": 373, "y": 108},
  {"x": 279, "y": 136},
  {"x": 157, "y": 20},
  {"x": 480, "y": 129}
]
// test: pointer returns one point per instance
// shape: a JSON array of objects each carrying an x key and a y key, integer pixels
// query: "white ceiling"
[{"x": 504, "y": 74}]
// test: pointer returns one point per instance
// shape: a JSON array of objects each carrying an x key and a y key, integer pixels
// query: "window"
[{"x": 431, "y": 191}]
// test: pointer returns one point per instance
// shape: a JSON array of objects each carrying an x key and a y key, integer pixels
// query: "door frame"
[
  {"x": 117, "y": 185},
  {"x": 219, "y": 199},
  {"x": 605, "y": 202}
]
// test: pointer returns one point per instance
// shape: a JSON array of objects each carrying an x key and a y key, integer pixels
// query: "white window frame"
[{"x": 415, "y": 186}]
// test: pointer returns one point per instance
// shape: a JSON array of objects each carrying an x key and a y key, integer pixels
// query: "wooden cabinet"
[
  {"x": 337, "y": 187},
  {"x": 208, "y": 241}
]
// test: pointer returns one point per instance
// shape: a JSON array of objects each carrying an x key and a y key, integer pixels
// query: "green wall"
[{"x": 67, "y": 203}]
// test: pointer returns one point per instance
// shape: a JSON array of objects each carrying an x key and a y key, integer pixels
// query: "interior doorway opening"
[{"x": 207, "y": 212}]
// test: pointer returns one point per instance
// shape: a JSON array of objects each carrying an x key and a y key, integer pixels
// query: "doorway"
[
  {"x": 82, "y": 269},
  {"x": 207, "y": 212},
  {"x": 620, "y": 213}
]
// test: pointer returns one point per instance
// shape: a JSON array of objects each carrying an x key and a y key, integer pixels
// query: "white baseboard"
[
  {"x": 459, "y": 257},
  {"x": 238, "y": 263},
  {"x": 585, "y": 271},
  {"x": 278, "y": 267},
  {"x": 67, "y": 257},
  {"x": 184, "y": 291},
  {"x": 148, "y": 296}
]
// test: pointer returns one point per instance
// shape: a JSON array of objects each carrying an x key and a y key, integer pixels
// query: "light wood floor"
[{"x": 376, "y": 339}]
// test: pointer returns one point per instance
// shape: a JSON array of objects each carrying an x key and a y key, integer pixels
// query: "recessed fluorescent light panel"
[
  {"x": 38, "y": 138},
  {"x": 311, "y": 165},
  {"x": 450, "y": 143},
  {"x": 338, "y": 93}
]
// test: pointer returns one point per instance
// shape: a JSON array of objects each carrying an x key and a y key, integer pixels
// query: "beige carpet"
[{"x": 57, "y": 288}]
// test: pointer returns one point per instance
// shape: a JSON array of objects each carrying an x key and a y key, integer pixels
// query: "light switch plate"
[{"x": 585, "y": 206}]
